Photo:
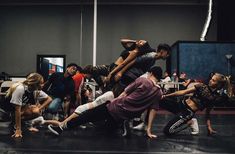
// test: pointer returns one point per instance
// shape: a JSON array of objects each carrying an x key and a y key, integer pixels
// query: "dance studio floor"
[{"x": 96, "y": 140}]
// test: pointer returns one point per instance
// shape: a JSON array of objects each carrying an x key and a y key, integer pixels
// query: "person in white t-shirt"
[
  {"x": 27, "y": 100},
  {"x": 166, "y": 79}
]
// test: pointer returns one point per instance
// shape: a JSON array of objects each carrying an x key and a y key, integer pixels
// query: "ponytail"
[
  {"x": 12, "y": 89},
  {"x": 229, "y": 87},
  {"x": 33, "y": 81}
]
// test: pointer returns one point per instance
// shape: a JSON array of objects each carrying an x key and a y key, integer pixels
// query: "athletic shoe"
[
  {"x": 39, "y": 120},
  {"x": 126, "y": 129},
  {"x": 82, "y": 126},
  {"x": 140, "y": 126},
  {"x": 194, "y": 127},
  {"x": 57, "y": 130}
]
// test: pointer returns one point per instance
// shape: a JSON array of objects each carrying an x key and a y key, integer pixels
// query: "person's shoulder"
[
  {"x": 150, "y": 54},
  {"x": 147, "y": 56},
  {"x": 40, "y": 93},
  {"x": 20, "y": 87},
  {"x": 77, "y": 75},
  {"x": 142, "y": 78}
]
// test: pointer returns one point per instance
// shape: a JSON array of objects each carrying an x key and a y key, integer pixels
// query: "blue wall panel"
[{"x": 198, "y": 59}]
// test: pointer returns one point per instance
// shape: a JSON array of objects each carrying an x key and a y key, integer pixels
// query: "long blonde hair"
[
  {"x": 225, "y": 82},
  {"x": 33, "y": 81},
  {"x": 229, "y": 87}
]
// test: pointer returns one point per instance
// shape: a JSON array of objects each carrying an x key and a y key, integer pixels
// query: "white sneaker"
[
  {"x": 126, "y": 129},
  {"x": 140, "y": 127},
  {"x": 194, "y": 127},
  {"x": 83, "y": 126},
  {"x": 55, "y": 117},
  {"x": 39, "y": 120}
]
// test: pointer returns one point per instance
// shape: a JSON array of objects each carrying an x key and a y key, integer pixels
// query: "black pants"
[
  {"x": 96, "y": 114},
  {"x": 179, "y": 122}
]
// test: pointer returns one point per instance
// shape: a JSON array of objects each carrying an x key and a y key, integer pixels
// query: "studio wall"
[{"x": 28, "y": 30}]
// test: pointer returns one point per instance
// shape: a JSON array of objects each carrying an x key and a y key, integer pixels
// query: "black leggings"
[
  {"x": 96, "y": 114},
  {"x": 179, "y": 122}
]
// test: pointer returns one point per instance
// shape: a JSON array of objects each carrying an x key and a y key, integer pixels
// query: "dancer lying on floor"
[
  {"x": 142, "y": 94},
  {"x": 204, "y": 97}
]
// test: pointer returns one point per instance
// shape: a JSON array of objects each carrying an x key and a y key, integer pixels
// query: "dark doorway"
[{"x": 48, "y": 64}]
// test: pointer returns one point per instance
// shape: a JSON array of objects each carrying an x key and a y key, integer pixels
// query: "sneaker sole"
[
  {"x": 194, "y": 133},
  {"x": 52, "y": 130}
]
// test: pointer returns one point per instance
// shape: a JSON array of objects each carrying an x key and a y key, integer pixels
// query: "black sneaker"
[
  {"x": 57, "y": 130},
  {"x": 126, "y": 129}
]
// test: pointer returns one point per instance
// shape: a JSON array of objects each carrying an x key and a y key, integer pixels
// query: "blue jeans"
[{"x": 55, "y": 105}]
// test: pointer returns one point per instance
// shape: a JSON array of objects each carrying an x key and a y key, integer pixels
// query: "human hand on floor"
[
  {"x": 210, "y": 131},
  {"x": 150, "y": 135},
  {"x": 18, "y": 133}
]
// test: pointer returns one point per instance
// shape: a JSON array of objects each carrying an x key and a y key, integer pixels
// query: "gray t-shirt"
[
  {"x": 142, "y": 65},
  {"x": 21, "y": 96},
  {"x": 142, "y": 94}
]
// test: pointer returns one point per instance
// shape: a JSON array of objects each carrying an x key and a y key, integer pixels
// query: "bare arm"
[
  {"x": 119, "y": 60},
  {"x": 18, "y": 132},
  {"x": 78, "y": 99},
  {"x": 186, "y": 83},
  {"x": 151, "y": 118},
  {"x": 123, "y": 70},
  {"x": 45, "y": 103},
  {"x": 123, "y": 94},
  {"x": 181, "y": 92},
  {"x": 131, "y": 56},
  {"x": 127, "y": 42},
  {"x": 208, "y": 122},
  {"x": 78, "y": 95}
]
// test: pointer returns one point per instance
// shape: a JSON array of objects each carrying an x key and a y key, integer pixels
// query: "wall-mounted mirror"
[{"x": 48, "y": 64}]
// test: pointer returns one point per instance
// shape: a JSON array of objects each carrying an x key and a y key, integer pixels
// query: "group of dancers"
[{"x": 127, "y": 93}]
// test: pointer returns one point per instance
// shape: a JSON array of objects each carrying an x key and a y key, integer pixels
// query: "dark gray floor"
[{"x": 94, "y": 140}]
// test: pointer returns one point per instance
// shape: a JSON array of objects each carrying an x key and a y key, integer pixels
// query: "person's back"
[
  {"x": 141, "y": 94},
  {"x": 141, "y": 66}
]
